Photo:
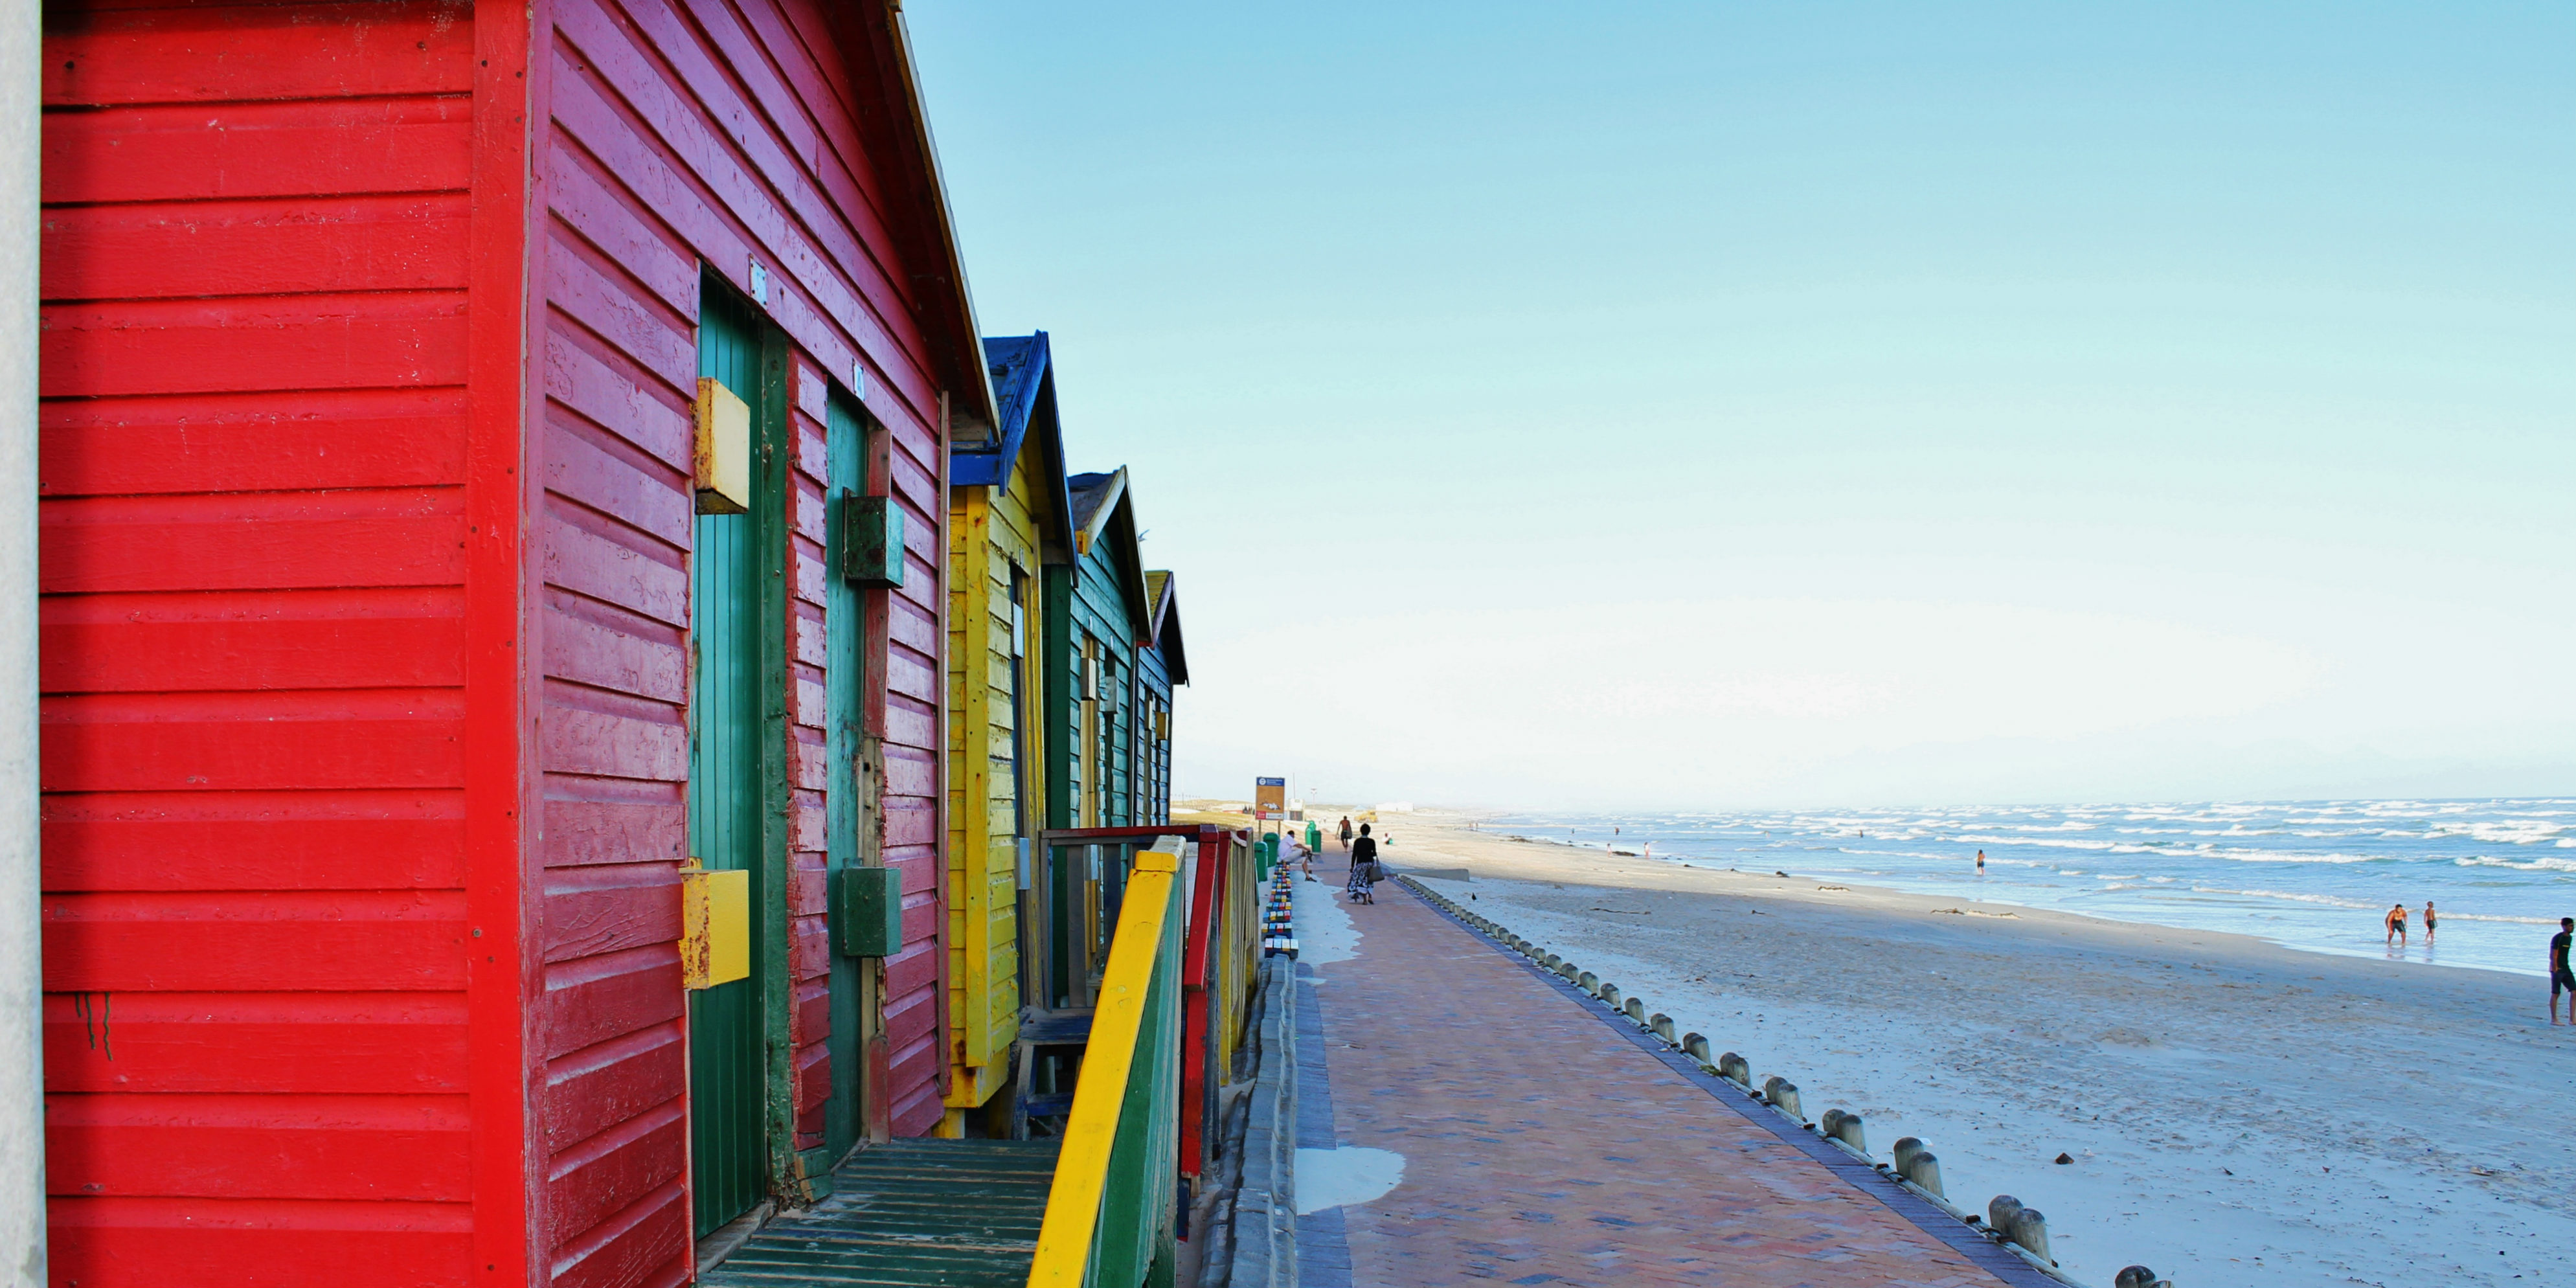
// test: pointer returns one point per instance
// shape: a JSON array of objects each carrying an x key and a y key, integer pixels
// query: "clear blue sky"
[{"x": 1721, "y": 404}]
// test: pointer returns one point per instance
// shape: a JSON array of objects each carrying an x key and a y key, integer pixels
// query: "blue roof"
[
  {"x": 1022, "y": 384},
  {"x": 1023, "y": 371}
]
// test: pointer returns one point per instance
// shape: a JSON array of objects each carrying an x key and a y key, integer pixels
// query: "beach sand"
[{"x": 2239, "y": 1113}]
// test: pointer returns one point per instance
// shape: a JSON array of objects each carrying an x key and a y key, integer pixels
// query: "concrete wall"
[{"x": 22, "y": 1124}]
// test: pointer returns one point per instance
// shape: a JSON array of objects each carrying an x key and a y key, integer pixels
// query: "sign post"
[{"x": 1269, "y": 801}]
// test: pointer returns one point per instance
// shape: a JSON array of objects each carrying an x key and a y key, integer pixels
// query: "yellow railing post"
[{"x": 1082, "y": 1169}]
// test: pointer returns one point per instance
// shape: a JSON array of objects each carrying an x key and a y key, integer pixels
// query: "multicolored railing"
[{"x": 1110, "y": 1213}]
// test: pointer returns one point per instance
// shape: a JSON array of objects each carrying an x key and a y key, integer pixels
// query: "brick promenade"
[{"x": 1542, "y": 1146}]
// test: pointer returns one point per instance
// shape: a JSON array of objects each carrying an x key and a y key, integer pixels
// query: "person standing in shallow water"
[
  {"x": 2396, "y": 923},
  {"x": 1981, "y": 863},
  {"x": 2428, "y": 923}
]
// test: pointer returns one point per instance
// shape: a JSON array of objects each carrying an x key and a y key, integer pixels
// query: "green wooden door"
[
  {"x": 845, "y": 463},
  {"x": 726, "y": 1059}
]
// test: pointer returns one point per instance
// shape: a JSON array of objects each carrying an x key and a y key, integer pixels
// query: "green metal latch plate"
[
  {"x": 872, "y": 542},
  {"x": 869, "y": 920}
]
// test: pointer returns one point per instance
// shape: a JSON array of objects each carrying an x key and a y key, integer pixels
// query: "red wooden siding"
[
  {"x": 366, "y": 613},
  {"x": 684, "y": 132},
  {"x": 255, "y": 434}
]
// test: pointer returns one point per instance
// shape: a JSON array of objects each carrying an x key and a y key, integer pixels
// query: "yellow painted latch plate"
[
  {"x": 715, "y": 927},
  {"x": 723, "y": 451}
]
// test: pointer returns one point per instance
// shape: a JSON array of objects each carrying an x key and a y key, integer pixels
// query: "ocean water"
[{"x": 2313, "y": 875}]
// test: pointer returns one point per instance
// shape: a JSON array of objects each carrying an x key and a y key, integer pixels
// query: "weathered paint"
[
  {"x": 1097, "y": 602},
  {"x": 369, "y": 351},
  {"x": 733, "y": 825},
  {"x": 1095, "y": 613},
  {"x": 999, "y": 531},
  {"x": 850, "y": 984}
]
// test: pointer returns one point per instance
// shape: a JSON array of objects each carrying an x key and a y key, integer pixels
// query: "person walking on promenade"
[
  {"x": 2428, "y": 923},
  {"x": 1346, "y": 833},
  {"x": 1363, "y": 850},
  {"x": 2560, "y": 978},
  {"x": 1369, "y": 872},
  {"x": 2396, "y": 923}
]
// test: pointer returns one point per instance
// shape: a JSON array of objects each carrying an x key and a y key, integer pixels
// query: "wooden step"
[{"x": 952, "y": 1213}]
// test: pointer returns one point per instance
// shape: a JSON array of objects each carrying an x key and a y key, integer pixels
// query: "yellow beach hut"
[{"x": 1008, "y": 517}]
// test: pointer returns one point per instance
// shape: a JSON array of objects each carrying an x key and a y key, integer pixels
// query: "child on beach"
[
  {"x": 2428, "y": 923},
  {"x": 2396, "y": 923}
]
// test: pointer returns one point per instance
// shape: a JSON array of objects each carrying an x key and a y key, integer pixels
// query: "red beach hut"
[{"x": 492, "y": 495}]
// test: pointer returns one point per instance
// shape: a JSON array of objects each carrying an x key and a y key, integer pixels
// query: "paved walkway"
[{"x": 1543, "y": 1144}]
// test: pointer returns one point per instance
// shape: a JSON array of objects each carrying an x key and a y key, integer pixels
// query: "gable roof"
[
  {"x": 1023, "y": 389},
  {"x": 1165, "y": 631},
  {"x": 1023, "y": 372},
  {"x": 1104, "y": 515},
  {"x": 888, "y": 106}
]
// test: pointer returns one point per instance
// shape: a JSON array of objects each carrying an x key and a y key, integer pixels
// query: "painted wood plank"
[
  {"x": 282, "y": 149},
  {"x": 610, "y": 562},
  {"x": 602, "y": 646},
  {"x": 348, "y": 341},
  {"x": 268, "y": 1043},
  {"x": 607, "y": 734},
  {"x": 262, "y": 441},
  {"x": 162, "y": 841},
  {"x": 584, "y": 376},
  {"x": 243, "y": 1146},
  {"x": 587, "y": 292},
  {"x": 212, "y": 55},
  {"x": 606, "y": 908},
  {"x": 615, "y": 1168},
  {"x": 600, "y": 1086},
  {"x": 589, "y": 467},
  {"x": 279, "y": 541},
  {"x": 645, "y": 1246},
  {"x": 609, "y": 821},
  {"x": 200, "y": 941},
  {"x": 373, "y": 639},
  {"x": 255, "y": 247},
  {"x": 251, "y": 742},
  {"x": 592, "y": 999},
  {"x": 151, "y": 1240}
]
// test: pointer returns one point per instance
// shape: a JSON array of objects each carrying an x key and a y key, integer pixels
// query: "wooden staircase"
[{"x": 951, "y": 1213}]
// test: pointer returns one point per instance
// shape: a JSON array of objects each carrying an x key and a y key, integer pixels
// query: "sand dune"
[{"x": 2239, "y": 1113}]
